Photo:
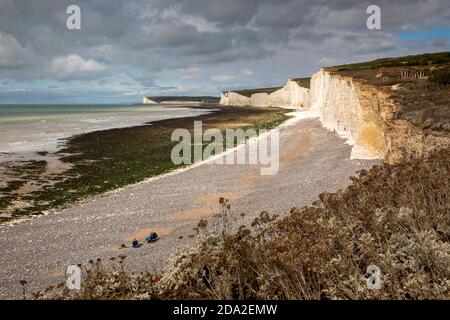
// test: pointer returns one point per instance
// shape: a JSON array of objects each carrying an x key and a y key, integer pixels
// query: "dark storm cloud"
[
  {"x": 226, "y": 13},
  {"x": 139, "y": 39}
]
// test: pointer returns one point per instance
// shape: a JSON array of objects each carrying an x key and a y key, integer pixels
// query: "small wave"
[{"x": 17, "y": 143}]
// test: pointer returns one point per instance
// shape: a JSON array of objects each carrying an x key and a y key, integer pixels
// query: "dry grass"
[{"x": 394, "y": 216}]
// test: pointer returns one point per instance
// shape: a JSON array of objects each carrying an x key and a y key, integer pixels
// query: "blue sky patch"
[{"x": 427, "y": 34}]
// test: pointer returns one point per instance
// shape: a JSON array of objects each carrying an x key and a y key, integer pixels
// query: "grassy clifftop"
[
  {"x": 201, "y": 99},
  {"x": 249, "y": 92},
  {"x": 426, "y": 59},
  {"x": 303, "y": 82}
]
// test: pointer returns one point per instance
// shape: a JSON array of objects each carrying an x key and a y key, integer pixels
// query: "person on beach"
[
  {"x": 153, "y": 237},
  {"x": 135, "y": 244}
]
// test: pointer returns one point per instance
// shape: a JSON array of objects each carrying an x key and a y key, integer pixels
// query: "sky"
[{"x": 128, "y": 49}]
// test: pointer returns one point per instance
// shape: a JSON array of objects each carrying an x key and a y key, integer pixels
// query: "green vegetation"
[
  {"x": 23, "y": 172},
  {"x": 441, "y": 76},
  {"x": 303, "y": 82},
  {"x": 393, "y": 216},
  {"x": 202, "y": 99},
  {"x": 42, "y": 153},
  {"x": 249, "y": 92},
  {"x": 407, "y": 61},
  {"x": 109, "y": 159},
  {"x": 8, "y": 196}
]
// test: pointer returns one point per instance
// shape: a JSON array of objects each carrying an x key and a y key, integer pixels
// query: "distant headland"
[{"x": 179, "y": 99}]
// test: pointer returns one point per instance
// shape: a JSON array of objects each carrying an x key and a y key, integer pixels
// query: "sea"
[{"x": 27, "y": 129}]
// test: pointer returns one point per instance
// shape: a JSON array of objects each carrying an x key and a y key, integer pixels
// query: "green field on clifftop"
[
  {"x": 426, "y": 59},
  {"x": 249, "y": 92}
]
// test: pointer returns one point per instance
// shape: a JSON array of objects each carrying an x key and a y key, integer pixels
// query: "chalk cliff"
[
  {"x": 291, "y": 96},
  {"x": 355, "y": 111},
  {"x": 366, "y": 116},
  {"x": 234, "y": 99},
  {"x": 147, "y": 100},
  {"x": 390, "y": 109}
]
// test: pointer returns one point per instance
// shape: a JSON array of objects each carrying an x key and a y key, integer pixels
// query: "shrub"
[{"x": 441, "y": 77}]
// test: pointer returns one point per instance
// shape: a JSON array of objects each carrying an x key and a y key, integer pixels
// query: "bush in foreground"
[{"x": 441, "y": 77}]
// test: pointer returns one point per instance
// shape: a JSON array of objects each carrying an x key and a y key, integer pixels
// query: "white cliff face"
[
  {"x": 234, "y": 99},
  {"x": 291, "y": 96},
  {"x": 224, "y": 99},
  {"x": 260, "y": 99},
  {"x": 147, "y": 100},
  {"x": 352, "y": 110},
  {"x": 346, "y": 106},
  {"x": 361, "y": 113}
]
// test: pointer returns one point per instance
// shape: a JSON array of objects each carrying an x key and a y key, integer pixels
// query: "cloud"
[
  {"x": 158, "y": 45},
  {"x": 75, "y": 64},
  {"x": 325, "y": 62},
  {"x": 223, "y": 78},
  {"x": 190, "y": 74},
  {"x": 18, "y": 90},
  {"x": 131, "y": 93},
  {"x": 246, "y": 72},
  {"x": 223, "y": 12},
  {"x": 12, "y": 54}
]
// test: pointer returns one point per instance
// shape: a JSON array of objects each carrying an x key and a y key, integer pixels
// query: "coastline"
[{"x": 95, "y": 160}]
